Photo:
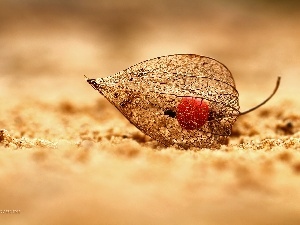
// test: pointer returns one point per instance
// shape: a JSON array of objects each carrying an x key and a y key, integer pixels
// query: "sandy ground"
[{"x": 69, "y": 157}]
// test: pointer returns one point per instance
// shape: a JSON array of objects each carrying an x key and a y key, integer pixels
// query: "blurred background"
[
  {"x": 51, "y": 44},
  {"x": 102, "y": 162}
]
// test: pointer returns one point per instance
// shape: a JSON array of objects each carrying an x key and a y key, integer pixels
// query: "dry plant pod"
[{"x": 185, "y": 99}]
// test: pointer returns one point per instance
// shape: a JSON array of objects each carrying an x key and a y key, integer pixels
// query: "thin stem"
[{"x": 265, "y": 101}]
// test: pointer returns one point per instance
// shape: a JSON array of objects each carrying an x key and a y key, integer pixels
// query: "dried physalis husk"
[{"x": 185, "y": 100}]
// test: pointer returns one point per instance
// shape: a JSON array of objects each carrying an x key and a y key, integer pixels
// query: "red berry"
[{"x": 192, "y": 113}]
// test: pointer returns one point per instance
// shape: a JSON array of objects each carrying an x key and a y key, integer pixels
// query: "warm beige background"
[{"x": 69, "y": 157}]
